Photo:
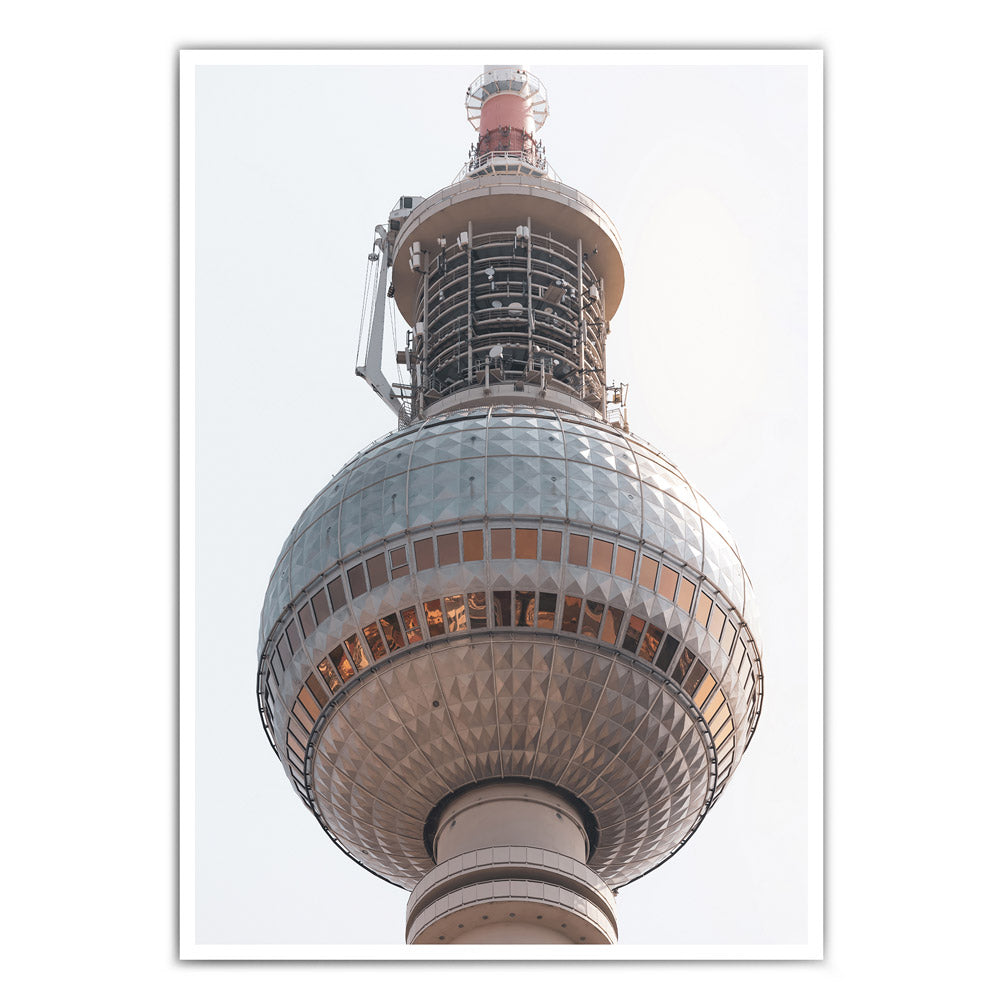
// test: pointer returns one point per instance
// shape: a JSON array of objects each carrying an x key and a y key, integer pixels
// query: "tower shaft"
[{"x": 511, "y": 869}]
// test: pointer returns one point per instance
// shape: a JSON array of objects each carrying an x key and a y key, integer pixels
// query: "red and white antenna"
[{"x": 507, "y": 105}]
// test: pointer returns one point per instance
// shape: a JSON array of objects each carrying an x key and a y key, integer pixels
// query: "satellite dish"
[
  {"x": 496, "y": 352},
  {"x": 514, "y": 307},
  {"x": 496, "y": 303}
]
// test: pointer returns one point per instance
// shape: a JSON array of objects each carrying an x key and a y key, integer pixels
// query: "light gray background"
[
  {"x": 89, "y": 405},
  {"x": 704, "y": 171}
]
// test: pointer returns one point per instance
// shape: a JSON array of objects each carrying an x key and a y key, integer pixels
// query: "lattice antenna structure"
[{"x": 509, "y": 657}]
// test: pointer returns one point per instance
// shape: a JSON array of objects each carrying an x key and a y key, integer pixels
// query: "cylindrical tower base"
[{"x": 511, "y": 870}]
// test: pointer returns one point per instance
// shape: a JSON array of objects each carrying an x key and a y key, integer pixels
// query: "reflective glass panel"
[
  {"x": 357, "y": 652},
  {"x": 552, "y": 546},
  {"x": 524, "y": 608},
  {"x": 477, "y": 608},
  {"x": 321, "y": 607},
  {"x": 721, "y": 718},
  {"x": 704, "y": 690},
  {"x": 295, "y": 748},
  {"x": 448, "y": 549},
  {"x": 400, "y": 567},
  {"x": 704, "y": 609},
  {"x": 393, "y": 633},
  {"x": 624, "y": 563},
  {"x": 375, "y": 643},
  {"x": 631, "y": 641},
  {"x": 342, "y": 663},
  {"x": 579, "y": 550},
  {"x": 297, "y": 730},
  {"x": 454, "y": 608},
  {"x": 302, "y": 715},
  {"x": 526, "y": 543},
  {"x": 601, "y": 559},
  {"x": 500, "y": 543},
  {"x": 377, "y": 572},
  {"x": 546, "y": 610},
  {"x": 501, "y": 608},
  {"x": 666, "y": 653},
  {"x": 691, "y": 684},
  {"x": 423, "y": 553},
  {"x": 571, "y": 614},
  {"x": 650, "y": 642},
  {"x": 668, "y": 583},
  {"x": 685, "y": 595},
  {"x": 612, "y": 625},
  {"x": 647, "y": 573},
  {"x": 684, "y": 661},
  {"x": 472, "y": 544},
  {"x": 294, "y": 640},
  {"x": 319, "y": 692},
  {"x": 728, "y": 635},
  {"x": 325, "y": 667},
  {"x": 306, "y": 619},
  {"x": 411, "y": 622},
  {"x": 284, "y": 651},
  {"x": 356, "y": 579},
  {"x": 714, "y": 703},
  {"x": 309, "y": 703},
  {"x": 337, "y": 597},
  {"x": 717, "y": 622},
  {"x": 435, "y": 617},
  {"x": 592, "y": 612}
]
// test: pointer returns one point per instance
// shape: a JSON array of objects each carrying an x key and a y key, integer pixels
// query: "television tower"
[{"x": 508, "y": 656}]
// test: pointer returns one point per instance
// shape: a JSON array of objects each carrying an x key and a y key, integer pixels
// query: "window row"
[
  {"x": 504, "y": 609},
  {"x": 507, "y": 543}
]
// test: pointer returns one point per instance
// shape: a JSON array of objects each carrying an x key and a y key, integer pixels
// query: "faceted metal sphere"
[{"x": 512, "y": 592}]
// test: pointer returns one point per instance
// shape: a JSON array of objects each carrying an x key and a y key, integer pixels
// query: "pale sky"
[{"x": 704, "y": 170}]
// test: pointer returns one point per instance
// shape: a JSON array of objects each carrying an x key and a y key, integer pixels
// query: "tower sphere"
[{"x": 511, "y": 626}]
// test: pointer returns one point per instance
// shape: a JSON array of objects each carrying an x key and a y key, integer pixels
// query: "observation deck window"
[
  {"x": 306, "y": 619},
  {"x": 477, "y": 607},
  {"x": 435, "y": 618},
  {"x": 685, "y": 595},
  {"x": 602, "y": 555},
  {"x": 704, "y": 610},
  {"x": 546, "y": 610},
  {"x": 579, "y": 550},
  {"x": 625, "y": 563},
  {"x": 356, "y": 580},
  {"x": 321, "y": 606},
  {"x": 393, "y": 633},
  {"x": 526, "y": 543},
  {"x": 342, "y": 663},
  {"x": 454, "y": 607},
  {"x": 571, "y": 613},
  {"x": 472, "y": 545},
  {"x": 398, "y": 563},
  {"x": 500, "y": 543},
  {"x": 612, "y": 625},
  {"x": 647, "y": 574},
  {"x": 357, "y": 652},
  {"x": 524, "y": 610},
  {"x": 650, "y": 642},
  {"x": 448, "y": 552},
  {"x": 377, "y": 574},
  {"x": 551, "y": 545},
  {"x": 338, "y": 599},
  {"x": 411, "y": 622},
  {"x": 374, "y": 640}
]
